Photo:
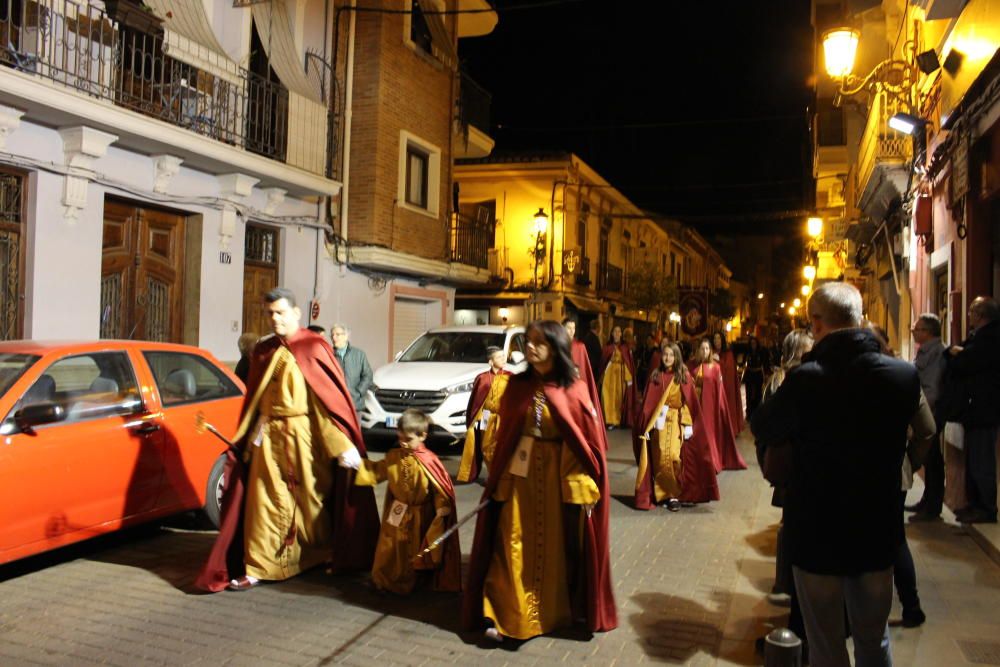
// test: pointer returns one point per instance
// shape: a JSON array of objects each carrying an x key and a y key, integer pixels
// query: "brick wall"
[{"x": 396, "y": 88}]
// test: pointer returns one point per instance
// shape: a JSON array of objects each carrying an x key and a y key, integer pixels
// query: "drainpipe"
[{"x": 348, "y": 115}]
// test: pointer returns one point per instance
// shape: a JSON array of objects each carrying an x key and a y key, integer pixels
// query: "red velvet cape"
[
  {"x": 581, "y": 430},
  {"x": 579, "y": 353},
  {"x": 480, "y": 389},
  {"x": 448, "y": 577},
  {"x": 352, "y": 508},
  {"x": 731, "y": 383},
  {"x": 628, "y": 399},
  {"x": 698, "y": 479},
  {"x": 715, "y": 415}
]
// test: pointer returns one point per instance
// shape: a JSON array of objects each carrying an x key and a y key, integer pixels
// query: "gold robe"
[
  {"x": 415, "y": 511},
  {"x": 487, "y": 437},
  {"x": 527, "y": 587},
  {"x": 291, "y": 450},
  {"x": 666, "y": 449},
  {"x": 616, "y": 379}
]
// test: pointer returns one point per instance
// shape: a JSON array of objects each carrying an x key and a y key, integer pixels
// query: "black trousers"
[
  {"x": 981, "y": 468},
  {"x": 933, "y": 497},
  {"x": 904, "y": 574}
]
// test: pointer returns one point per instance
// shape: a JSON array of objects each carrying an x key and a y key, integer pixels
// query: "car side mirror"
[
  {"x": 38, "y": 414},
  {"x": 516, "y": 357}
]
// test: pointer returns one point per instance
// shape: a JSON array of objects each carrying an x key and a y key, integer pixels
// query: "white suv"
[{"x": 435, "y": 374}]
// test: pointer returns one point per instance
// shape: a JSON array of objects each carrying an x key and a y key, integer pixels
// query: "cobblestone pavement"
[{"x": 691, "y": 589}]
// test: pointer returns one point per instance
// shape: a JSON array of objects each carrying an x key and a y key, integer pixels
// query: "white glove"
[
  {"x": 628, "y": 384},
  {"x": 688, "y": 432},
  {"x": 350, "y": 459}
]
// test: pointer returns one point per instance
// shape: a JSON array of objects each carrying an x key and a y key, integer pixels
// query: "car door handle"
[{"x": 146, "y": 428}]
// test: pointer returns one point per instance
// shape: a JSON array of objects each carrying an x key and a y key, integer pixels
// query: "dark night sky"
[{"x": 692, "y": 108}]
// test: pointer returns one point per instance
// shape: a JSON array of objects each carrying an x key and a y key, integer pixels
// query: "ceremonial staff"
[
  {"x": 446, "y": 534},
  {"x": 201, "y": 426}
]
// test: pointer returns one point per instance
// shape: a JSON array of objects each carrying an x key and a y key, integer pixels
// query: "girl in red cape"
[
  {"x": 730, "y": 380},
  {"x": 675, "y": 465},
  {"x": 616, "y": 383},
  {"x": 715, "y": 409},
  {"x": 540, "y": 556}
]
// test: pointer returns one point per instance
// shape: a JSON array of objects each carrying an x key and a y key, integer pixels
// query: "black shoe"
[
  {"x": 977, "y": 516},
  {"x": 913, "y": 618},
  {"x": 674, "y": 505}
]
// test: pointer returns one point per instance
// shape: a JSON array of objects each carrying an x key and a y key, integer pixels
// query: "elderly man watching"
[
  {"x": 354, "y": 362},
  {"x": 845, "y": 411},
  {"x": 976, "y": 364},
  {"x": 930, "y": 362}
]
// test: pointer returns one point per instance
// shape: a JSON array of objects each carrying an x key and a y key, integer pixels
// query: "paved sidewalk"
[{"x": 691, "y": 589}]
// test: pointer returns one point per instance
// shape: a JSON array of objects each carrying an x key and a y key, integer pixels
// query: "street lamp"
[
  {"x": 796, "y": 302},
  {"x": 760, "y": 295},
  {"x": 897, "y": 77},
  {"x": 814, "y": 227},
  {"x": 541, "y": 229},
  {"x": 809, "y": 272},
  {"x": 805, "y": 290}
]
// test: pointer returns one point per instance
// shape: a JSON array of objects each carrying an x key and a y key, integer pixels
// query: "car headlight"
[{"x": 458, "y": 388}]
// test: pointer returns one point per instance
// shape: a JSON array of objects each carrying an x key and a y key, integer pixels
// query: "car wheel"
[{"x": 213, "y": 498}]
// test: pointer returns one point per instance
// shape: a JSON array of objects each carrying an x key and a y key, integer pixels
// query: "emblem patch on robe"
[
  {"x": 522, "y": 456},
  {"x": 396, "y": 513}
]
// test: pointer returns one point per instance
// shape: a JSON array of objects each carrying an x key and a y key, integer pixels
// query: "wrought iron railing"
[
  {"x": 474, "y": 105},
  {"x": 79, "y": 46},
  {"x": 583, "y": 275},
  {"x": 880, "y": 143},
  {"x": 610, "y": 278},
  {"x": 471, "y": 240}
]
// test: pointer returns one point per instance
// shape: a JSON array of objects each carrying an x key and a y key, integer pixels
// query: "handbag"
[{"x": 777, "y": 465}]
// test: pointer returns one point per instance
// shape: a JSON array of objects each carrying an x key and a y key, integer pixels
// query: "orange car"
[{"x": 102, "y": 435}]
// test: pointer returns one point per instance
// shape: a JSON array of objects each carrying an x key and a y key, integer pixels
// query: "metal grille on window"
[
  {"x": 261, "y": 243},
  {"x": 157, "y": 310},
  {"x": 111, "y": 306},
  {"x": 10, "y": 255}
]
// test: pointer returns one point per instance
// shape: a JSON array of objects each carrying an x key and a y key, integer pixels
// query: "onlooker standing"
[
  {"x": 930, "y": 363},
  {"x": 845, "y": 411},
  {"x": 976, "y": 364},
  {"x": 245, "y": 343},
  {"x": 592, "y": 341},
  {"x": 357, "y": 370}
]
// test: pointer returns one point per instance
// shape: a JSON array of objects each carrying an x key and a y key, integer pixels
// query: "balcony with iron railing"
[
  {"x": 473, "y": 124},
  {"x": 470, "y": 240},
  {"x": 582, "y": 277},
  {"x": 79, "y": 47},
  {"x": 884, "y": 153},
  {"x": 610, "y": 278}
]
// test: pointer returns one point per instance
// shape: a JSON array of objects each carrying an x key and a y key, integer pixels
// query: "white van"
[{"x": 435, "y": 374}]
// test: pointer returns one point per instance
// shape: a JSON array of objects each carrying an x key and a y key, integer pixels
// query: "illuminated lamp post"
[{"x": 541, "y": 228}]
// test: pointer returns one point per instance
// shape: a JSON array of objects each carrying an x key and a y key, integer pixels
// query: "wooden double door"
[{"x": 142, "y": 273}]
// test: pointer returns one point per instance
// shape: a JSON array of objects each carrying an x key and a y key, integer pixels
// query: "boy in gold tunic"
[{"x": 419, "y": 507}]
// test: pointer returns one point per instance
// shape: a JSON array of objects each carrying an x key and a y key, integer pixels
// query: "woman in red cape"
[
  {"x": 540, "y": 557},
  {"x": 616, "y": 383},
  {"x": 697, "y": 479},
  {"x": 730, "y": 381},
  {"x": 715, "y": 409}
]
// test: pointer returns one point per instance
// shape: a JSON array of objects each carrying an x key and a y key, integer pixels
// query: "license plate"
[{"x": 390, "y": 421}]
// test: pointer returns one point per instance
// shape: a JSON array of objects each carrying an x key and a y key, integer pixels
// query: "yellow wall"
[{"x": 977, "y": 37}]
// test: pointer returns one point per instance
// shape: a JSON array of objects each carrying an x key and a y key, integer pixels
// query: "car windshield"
[
  {"x": 464, "y": 347},
  {"x": 12, "y": 366}
]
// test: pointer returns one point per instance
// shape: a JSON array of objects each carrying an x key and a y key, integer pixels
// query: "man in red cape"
[
  {"x": 698, "y": 481},
  {"x": 572, "y": 409},
  {"x": 351, "y": 510},
  {"x": 582, "y": 360}
]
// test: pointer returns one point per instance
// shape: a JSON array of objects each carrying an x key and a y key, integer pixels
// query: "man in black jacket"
[
  {"x": 976, "y": 365},
  {"x": 845, "y": 411}
]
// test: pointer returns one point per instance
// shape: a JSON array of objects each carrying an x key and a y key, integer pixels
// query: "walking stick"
[
  {"x": 446, "y": 534},
  {"x": 201, "y": 426}
]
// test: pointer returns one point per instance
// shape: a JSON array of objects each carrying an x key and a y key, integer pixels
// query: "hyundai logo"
[{"x": 406, "y": 395}]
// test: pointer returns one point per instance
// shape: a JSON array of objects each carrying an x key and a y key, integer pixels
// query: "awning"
[
  {"x": 188, "y": 37},
  {"x": 279, "y": 44},
  {"x": 585, "y": 305},
  {"x": 482, "y": 300}
]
